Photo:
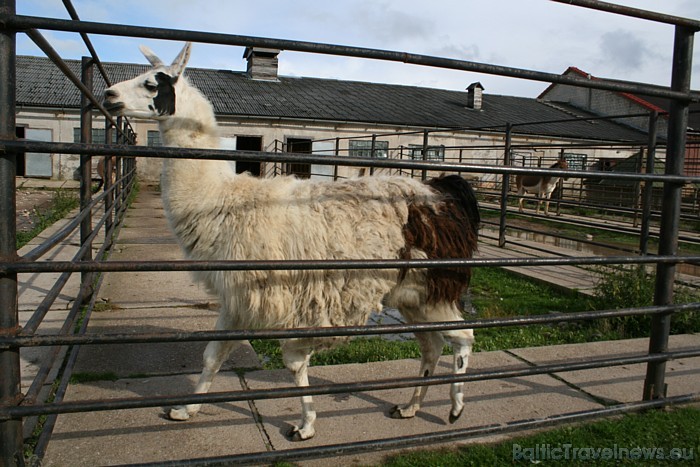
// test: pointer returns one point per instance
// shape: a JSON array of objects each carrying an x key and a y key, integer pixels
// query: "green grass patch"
[
  {"x": 90, "y": 377},
  {"x": 62, "y": 203},
  {"x": 668, "y": 438}
]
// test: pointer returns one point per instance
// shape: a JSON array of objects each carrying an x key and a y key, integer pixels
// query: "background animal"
[
  {"x": 102, "y": 171},
  {"x": 219, "y": 215},
  {"x": 542, "y": 186}
]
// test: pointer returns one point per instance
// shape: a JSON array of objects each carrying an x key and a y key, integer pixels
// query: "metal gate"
[{"x": 16, "y": 408}]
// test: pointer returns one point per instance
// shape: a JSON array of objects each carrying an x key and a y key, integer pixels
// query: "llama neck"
[{"x": 192, "y": 126}]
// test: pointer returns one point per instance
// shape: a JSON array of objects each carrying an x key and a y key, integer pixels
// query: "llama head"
[{"x": 151, "y": 94}]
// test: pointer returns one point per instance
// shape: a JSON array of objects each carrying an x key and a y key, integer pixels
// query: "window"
[
  {"x": 363, "y": 148},
  {"x": 98, "y": 135},
  {"x": 154, "y": 138},
  {"x": 576, "y": 161},
  {"x": 433, "y": 153}
]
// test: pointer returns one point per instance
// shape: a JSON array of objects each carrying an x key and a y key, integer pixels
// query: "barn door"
[
  {"x": 323, "y": 148},
  {"x": 37, "y": 164}
]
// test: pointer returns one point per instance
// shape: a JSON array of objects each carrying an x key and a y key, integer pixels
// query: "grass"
[
  {"x": 656, "y": 434},
  {"x": 62, "y": 203}
]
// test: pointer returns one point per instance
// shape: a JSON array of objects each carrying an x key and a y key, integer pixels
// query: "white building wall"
[{"x": 469, "y": 148}]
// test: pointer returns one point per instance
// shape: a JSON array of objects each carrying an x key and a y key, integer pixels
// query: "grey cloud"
[{"x": 622, "y": 50}]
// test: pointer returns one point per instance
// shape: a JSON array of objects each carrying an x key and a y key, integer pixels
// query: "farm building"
[
  {"x": 609, "y": 103},
  {"x": 260, "y": 110}
]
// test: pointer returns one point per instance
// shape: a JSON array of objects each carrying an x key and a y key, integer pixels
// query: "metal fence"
[{"x": 17, "y": 408}]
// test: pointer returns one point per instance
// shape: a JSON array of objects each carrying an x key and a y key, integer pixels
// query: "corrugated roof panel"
[{"x": 39, "y": 83}]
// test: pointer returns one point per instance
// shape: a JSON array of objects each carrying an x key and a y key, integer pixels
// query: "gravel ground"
[{"x": 28, "y": 202}]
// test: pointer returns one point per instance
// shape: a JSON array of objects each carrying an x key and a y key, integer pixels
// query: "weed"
[
  {"x": 62, "y": 203},
  {"x": 634, "y": 287}
]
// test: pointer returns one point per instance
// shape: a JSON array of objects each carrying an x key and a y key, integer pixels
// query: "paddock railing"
[{"x": 18, "y": 409}]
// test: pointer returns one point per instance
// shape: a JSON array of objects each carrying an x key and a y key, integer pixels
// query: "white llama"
[{"x": 219, "y": 215}]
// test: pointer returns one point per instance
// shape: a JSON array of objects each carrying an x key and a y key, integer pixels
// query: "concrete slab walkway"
[{"x": 155, "y": 302}]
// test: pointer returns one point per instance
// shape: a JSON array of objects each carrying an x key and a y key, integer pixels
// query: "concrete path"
[{"x": 155, "y": 302}]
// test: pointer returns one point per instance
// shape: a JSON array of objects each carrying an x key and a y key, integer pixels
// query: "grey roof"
[{"x": 233, "y": 94}]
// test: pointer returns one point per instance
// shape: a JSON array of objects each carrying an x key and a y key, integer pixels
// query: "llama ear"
[
  {"x": 178, "y": 65},
  {"x": 150, "y": 56}
]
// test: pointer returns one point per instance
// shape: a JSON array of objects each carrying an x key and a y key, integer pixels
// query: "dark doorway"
[
  {"x": 249, "y": 143},
  {"x": 302, "y": 146},
  {"x": 20, "y": 134}
]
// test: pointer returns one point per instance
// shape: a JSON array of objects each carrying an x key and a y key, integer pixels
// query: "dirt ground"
[{"x": 29, "y": 201}]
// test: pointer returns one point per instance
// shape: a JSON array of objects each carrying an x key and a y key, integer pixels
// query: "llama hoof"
[
  {"x": 295, "y": 434},
  {"x": 453, "y": 418},
  {"x": 400, "y": 412},
  {"x": 178, "y": 414}
]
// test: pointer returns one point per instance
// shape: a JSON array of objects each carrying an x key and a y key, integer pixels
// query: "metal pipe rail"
[
  {"x": 311, "y": 265},
  {"x": 9, "y": 413},
  {"x": 20, "y": 23},
  {"x": 21, "y": 340},
  {"x": 264, "y": 156}
]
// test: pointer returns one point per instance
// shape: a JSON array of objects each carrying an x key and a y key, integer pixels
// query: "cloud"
[{"x": 623, "y": 51}]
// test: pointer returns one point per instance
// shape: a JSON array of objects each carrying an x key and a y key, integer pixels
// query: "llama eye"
[{"x": 150, "y": 87}]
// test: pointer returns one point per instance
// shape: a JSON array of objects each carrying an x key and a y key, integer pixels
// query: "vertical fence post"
[
  {"x": 11, "y": 452},
  {"x": 424, "y": 152},
  {"x": 647, "y": 195},
  {"x": 505, "y": 184},
  {"x": 637, "y": 195},
  {"x": 108, "y": 171},
  {"x": 372, "y": 148},
  {"x": 86, "y": 170},
  {"x": 654, "y": 383},
  {"x": 337, "y": 153}
]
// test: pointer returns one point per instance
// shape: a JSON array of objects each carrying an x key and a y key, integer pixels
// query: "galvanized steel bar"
[
  {"x": 693, "y": 25},
  {"x": 654, "y": 384},
  {"x": 505, "y": 187},
  {"x": 298, "y": 265},
  {"x": 29, "y": 340},
  {"x": 264, "y": 156},
  {"x": 11, "y": 440},
  {"x": 343, "y": 388},
  {"x": 648, "y": 186},
  {"x": 24, "y": 23},
  {"x": 86, "y": 165}
]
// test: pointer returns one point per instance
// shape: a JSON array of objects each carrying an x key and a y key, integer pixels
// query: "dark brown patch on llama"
[{"x": 449, "y": 230}]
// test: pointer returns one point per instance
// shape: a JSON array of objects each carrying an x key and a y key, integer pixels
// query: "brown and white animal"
[
  {"x": 219, "y": 215},
  {"x": 102, "y": 171},
  {"x": 542, "y": 186}
]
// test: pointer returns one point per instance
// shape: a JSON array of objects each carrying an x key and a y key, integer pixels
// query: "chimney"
[
  {"x": 262, "y": 63},
  {"x": 474, "y": 93}
]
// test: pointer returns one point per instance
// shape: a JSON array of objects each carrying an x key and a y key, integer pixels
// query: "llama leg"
[
  {"x": 214, "y": 356},
  {"x": 521, "y": 201},
  {"x": 431, "y": 347},
  {"x": 546, "y": 204},
  {"x": 461, "y": 342},
  {"x": 297, "y": 360}
]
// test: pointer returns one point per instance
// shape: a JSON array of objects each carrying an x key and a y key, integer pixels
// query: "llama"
[
  {"x": 102, "y": 171},
  {"x": 219, "y": 215},
  {"x": 542, "y": 186}
]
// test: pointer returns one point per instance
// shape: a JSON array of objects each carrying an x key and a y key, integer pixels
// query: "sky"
[{"x": 531, "y": 34}]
